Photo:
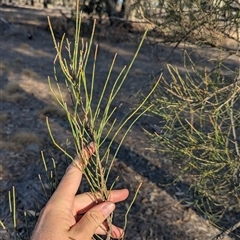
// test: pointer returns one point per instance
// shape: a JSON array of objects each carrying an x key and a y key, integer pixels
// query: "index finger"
[{"x": 70, "y": 182}]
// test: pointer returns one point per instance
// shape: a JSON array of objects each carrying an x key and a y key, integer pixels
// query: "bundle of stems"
[{"x": 88, "y": 121}]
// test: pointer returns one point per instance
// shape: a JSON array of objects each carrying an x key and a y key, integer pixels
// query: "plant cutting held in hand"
[{"x": 89, "y": 121}]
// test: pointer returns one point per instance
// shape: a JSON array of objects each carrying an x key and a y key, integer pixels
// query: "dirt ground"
[{"x": 27, "y": 55}]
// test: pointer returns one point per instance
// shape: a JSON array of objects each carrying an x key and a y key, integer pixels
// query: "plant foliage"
[
  {"x": 200, "y": 131},
  {"x": 89, "y": 121}
]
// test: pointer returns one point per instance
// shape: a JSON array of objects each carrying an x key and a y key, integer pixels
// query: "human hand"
[{"x": 76, "y": 217}]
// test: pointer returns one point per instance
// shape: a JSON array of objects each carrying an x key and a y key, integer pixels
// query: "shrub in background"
[{"x": 199, "y": 129}]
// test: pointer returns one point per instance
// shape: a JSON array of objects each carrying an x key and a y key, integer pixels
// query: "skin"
[{"x": 68, "y": 216}]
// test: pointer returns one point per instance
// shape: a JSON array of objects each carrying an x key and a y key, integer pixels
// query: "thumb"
[{"x": 91, "y": 220}]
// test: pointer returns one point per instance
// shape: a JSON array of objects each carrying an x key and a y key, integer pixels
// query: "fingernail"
[{"x": 108, "y": 208}]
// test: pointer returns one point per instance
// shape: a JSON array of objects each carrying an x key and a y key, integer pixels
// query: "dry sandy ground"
[{"x": 27, "y": 55}]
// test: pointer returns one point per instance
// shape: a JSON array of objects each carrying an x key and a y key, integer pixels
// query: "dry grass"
[
  {"x": 20, "y": 140},
  {"x": 12, "y": 87},
  {"x": 12, "y": 92},
  {"x": 16, "y": 97},
  {"x": 9, "y": 146},
  {"x": 52, "y": 110},
  {"x": 25, "y": 138},
  {"x": 24, "y": 46},
  {"x": 29, "y": 73}
]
